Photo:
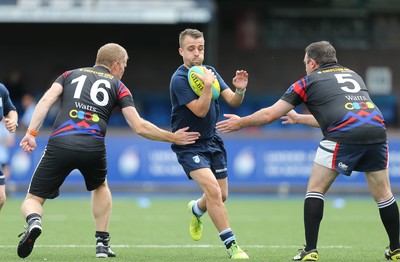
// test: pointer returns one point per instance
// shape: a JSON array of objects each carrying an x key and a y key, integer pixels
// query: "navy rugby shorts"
[
  {"x": 345, "y": 158},
  {"x": 2, "y": 178},
  {"x": 209, "y": 153}
]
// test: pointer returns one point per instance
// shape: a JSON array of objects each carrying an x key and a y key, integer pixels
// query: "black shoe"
[
  {"x": 392, "y": 255},
  {"x": 27, "y": 242},
  {"x": 103, "y": 251}
]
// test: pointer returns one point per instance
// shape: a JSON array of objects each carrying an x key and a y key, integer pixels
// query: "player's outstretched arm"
[
  {"x": 292, "y": 117},
  {"x": 182, "y": 137},
  {"x": 150, "y": 131},
  {"x": 261, "y": 117}
]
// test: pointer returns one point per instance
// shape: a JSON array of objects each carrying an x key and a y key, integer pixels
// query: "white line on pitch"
[{"x": 168, "y": 246}]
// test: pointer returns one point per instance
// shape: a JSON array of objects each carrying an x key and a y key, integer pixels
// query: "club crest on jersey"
[{"x": 196, "y": 159}]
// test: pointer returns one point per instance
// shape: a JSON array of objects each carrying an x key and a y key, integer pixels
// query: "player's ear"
[
  {"x": 114, "y": 66},
  {"x": 314, "y": 63}
]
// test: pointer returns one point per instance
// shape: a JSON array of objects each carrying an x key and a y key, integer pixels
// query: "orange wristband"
[{"x": 32, "y": 132}]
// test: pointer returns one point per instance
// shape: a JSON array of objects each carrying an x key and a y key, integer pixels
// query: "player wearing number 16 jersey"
[
  {"x": 88, "y": 96},
  {"x": 354, "y": 139}
]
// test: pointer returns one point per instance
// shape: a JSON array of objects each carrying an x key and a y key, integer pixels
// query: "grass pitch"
[{"x": 155, "y": 228}]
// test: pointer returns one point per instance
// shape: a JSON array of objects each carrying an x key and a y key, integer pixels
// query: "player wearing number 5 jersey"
[
  {"x": 88, "y": 96},
  {"x": 354, "y": 139}
]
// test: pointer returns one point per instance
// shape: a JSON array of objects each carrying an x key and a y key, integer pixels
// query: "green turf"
[{"x": 269, "y": 229}]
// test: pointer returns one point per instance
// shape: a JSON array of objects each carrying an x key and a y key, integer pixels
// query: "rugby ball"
[{"x": 197, "y": 85}]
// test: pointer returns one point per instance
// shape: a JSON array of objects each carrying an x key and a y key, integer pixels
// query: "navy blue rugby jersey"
[
  {"x": 181, "y": 94},
  {"x": 6, "y": 105},
  {"x": 339, "y": 100},
  {"x": 88, "y": 99}
]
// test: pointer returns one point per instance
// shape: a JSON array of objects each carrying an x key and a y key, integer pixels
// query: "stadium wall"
[{"x": 277, "y": 161}]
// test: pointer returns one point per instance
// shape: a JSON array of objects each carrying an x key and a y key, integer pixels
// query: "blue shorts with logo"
[
  {"x": 208, "y": 153},
  {"x": 345, "y": 158}
]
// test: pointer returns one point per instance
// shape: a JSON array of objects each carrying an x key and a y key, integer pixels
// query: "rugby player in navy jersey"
[
  {"x": 205, "y": 161},
  {"x": 9, "y": 115},
  {"x": 354, "y": 139},
  {"x": 88, "y": 96}
]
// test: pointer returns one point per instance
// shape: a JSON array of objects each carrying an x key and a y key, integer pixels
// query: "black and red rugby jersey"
[
  {"x": 339, "y": 100},
  {"x": 88, "y": 99}
]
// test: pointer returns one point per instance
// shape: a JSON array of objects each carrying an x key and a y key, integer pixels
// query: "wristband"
[
  {"x": 240, "y": 92},
  {"x": 32, "y": 132}
]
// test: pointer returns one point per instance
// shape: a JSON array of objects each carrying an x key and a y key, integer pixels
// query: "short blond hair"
[
  {"x": 110, "y": 53},
  {"x": 189, "y": 32}
]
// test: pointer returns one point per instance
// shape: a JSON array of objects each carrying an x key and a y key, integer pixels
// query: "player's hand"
[
  {"x": 28, "y": 143},
  {"x": 241, "y": 80},
  {"x": 11, "y": 124},
  {"x": 290, "y": 118},
  {"x": 207, "y": 78},
  {"x": 184, "y": 138},
  {"x": 229, "y": 125}
]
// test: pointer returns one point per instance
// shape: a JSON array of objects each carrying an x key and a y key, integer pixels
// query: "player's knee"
[{"x": 213, "y": 193}]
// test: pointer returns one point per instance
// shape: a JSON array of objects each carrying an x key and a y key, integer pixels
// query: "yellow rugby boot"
[
  {"x": 235, "y": 252},
  {"x": 196, "y": 224},
  {"x": 392, "y": 255}
]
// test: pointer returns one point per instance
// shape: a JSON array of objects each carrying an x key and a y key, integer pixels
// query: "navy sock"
[{"x": 227, "y": 237}]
